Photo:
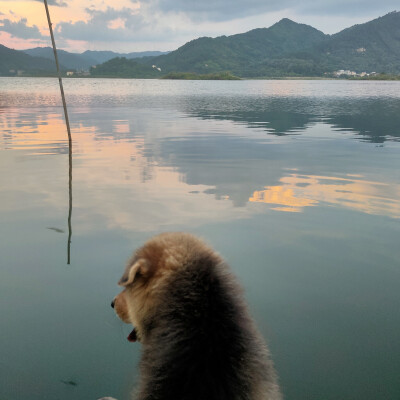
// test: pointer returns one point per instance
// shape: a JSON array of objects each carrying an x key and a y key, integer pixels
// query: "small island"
[{"x": 218, "y": 76}]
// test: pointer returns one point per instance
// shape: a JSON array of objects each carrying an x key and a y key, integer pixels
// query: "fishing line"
[{"x": 68, "y": 130}]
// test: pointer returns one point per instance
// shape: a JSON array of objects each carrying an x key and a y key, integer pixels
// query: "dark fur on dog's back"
[{"x": 201, "y": 343}]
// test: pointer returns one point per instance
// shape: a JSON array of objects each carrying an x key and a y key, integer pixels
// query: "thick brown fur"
[{"x": 199, "y": 341}]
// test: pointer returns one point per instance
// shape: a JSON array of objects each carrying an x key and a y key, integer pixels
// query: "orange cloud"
[
  {"x": 283, "y": 196},
  {"x": 116, "y": 23},
  {"x": 34, "y": 13}
]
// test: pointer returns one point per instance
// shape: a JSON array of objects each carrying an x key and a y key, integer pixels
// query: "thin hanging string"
[{"x": 68, "y": 130}]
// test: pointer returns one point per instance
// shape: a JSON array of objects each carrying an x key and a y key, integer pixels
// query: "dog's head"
[{"x": 146, "y": 275}]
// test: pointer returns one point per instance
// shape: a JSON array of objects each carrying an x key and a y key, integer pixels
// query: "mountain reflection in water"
[{"x": 374, "y": 120}]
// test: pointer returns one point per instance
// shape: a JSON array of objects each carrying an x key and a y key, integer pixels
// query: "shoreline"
[{"x": 267, "y": 78}]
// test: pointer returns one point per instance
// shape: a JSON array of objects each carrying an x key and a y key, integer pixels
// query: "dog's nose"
[{"x": 112, "y": 304}]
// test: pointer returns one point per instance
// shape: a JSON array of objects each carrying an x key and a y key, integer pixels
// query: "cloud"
[
  {"x": 131, "y": 17},
  {"x": 348, "y": 8},
  {"x": 59, "y": 3},
  {"x": 133, "y": 25},
  {"x": 113, "y": 25},
  {"x": 20, "y": 29},
  {"x": 99, "y": 25},
  {"x": 223, "y": 10}
]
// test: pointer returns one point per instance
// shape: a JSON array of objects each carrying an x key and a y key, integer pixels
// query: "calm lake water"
[{"x": 295, "y": 183}]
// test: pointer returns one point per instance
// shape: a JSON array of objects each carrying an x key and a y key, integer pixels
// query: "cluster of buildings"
[
  {"x": 21, "y": 72},
  {"x": 16, "y": 72},
  {"x": 352, "y": 73},
  {"x": 78, "y": 73}
]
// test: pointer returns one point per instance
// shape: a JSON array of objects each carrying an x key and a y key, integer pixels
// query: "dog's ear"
[{"x": 139, "y": 268}]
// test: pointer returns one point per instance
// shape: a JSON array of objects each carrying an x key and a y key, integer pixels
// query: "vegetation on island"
[
  {"x": 121, "y": 67},
  {"x": 226, "y": 76}
]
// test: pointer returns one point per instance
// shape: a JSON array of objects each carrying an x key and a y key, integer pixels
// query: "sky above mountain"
[{"x": 130, "y": 25}]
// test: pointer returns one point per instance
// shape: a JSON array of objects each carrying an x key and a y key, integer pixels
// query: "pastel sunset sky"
[{"x": 129, "y": 25}]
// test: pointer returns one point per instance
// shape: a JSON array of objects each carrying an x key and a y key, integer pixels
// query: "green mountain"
[
  {"x": 121, "y": 67},
  {"x": 12, "y": 61},
  {"x": 235, "y": 53}
]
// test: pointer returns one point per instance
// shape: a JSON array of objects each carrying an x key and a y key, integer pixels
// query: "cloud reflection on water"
[{"x": 300, "y": 191}]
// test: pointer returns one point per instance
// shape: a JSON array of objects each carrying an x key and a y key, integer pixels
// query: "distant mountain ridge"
[
  {"x": 87, "y": 59},
  {"x": 103, "y": 56},
  {"x": 12, "y": 61},
  {"x": 69, "y": 60}
]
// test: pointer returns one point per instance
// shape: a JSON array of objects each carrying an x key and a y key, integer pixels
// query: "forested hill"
[{"x": 235, "y": 53}]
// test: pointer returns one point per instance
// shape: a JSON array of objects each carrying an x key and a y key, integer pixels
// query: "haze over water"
[{"x": 295, "y": 183}]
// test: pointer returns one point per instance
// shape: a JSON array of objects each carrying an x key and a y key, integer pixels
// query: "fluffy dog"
[{"x": 199, "y": 341}]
